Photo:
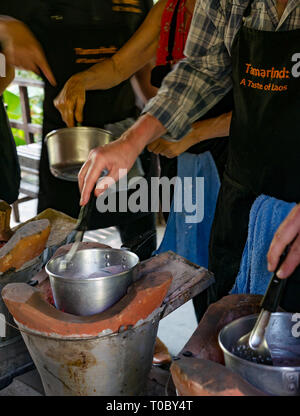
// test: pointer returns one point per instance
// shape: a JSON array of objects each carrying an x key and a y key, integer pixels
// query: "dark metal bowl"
[{"x": 282, "y": 379}]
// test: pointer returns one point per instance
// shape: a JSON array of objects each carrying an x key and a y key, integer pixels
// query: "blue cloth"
[
  {"x": 266, "y": 215},
  {"x": 187, "y": 233}
]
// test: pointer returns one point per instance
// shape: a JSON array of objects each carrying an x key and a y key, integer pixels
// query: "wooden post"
[
  {"x": 29, "y": 129},
  {"x": 24, "y": 98}
]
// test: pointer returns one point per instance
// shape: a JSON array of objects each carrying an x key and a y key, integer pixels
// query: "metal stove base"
[{"x": 14, "y": 360}]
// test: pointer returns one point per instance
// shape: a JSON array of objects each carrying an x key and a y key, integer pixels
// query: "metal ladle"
[{"x": 253, "y": 346}]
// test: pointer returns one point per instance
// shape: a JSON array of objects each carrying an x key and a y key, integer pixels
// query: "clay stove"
[
  {"x": 109, "y": 353},
  {"x": 200, "y": 368},
  {"x": 14, "y": 356}
]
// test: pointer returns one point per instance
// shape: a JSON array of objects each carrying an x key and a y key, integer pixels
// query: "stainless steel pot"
[
  {"x": 69, "y": 148},
  {"x": 90, "y": 295},
  {"x": 283, "y": 380}
]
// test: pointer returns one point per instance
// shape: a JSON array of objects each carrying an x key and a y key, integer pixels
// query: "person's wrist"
[
  {"x": 90, "y": 78},
  {"x": 183, "y": 147},
  {"x": 79, "y": 79},
  {"x": 146, "y": 129},
  {"x": 194, "y": 137},
  {"x": 133, "y": 142}
]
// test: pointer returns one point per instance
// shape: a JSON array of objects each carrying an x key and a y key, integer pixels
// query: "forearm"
[
  {"x": 145, "y": 130},
  {"x": 177, "y": 109},
  {"x": 202, "y": 130},
  {"x": 132, "y": 57},
  {"x": 113, "y": 71},
  {"x": 4, "y": 21},
  {"x": 210, "y": 129},
  {"x": 101, "y": 76},
  {"x": 198, "y": 82}
]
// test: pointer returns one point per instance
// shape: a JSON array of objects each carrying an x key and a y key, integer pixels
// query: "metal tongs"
[{"x": 253, "y": 346}]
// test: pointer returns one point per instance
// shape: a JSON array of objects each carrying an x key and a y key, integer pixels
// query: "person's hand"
[
  {"x": 288, "y": 232},
  {"x": 71, "y": 100},
  {"x": 120, "y": 154},
  {"x": 166, "y": 148},
  {"x": 201, "y": 130},
  {"x": 112, "y": 157},
  {"x": 22, "y": 50}
]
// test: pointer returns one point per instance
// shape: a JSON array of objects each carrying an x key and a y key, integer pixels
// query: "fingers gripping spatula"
[{"x": 253, "y": 346}]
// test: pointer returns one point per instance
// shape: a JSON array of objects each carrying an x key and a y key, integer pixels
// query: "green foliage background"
[{"x": 14, "y": 112}]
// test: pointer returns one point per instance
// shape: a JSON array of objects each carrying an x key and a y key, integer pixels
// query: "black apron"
[
  {"x": 264, "y": 148},
  {"x": 10, "y": 168},
  {"x": 74, "y": 36}
]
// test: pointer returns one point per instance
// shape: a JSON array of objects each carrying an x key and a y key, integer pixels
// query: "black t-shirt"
[
  {"x": 75, "y": 11},
  {"x": 76, "y": 34}
]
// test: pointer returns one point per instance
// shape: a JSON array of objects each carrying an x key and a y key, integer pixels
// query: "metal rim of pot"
[
  {"x": 94, "y": 279},
  {"x": 82, "y": 128}
]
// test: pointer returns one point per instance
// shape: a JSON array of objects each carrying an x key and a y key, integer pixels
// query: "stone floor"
[
  {"x": 28, "y": 384},
  {"x": 174, "y": 330},
  {"x": 159, "y": 384}
]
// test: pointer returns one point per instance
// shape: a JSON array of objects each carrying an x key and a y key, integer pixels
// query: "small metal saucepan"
[
  {"x": 69, "y": 148},
  {"x": 96, "y": 278},
  {"x": 78, "y": 290}
]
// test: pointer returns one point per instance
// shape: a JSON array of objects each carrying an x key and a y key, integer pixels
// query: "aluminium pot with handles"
[
  {"x": 96, "y": 278},
  {"x": 78, "y": 289}
]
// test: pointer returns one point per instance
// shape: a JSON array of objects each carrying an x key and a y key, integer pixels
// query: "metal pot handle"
[{"x": 291, "y": 381}]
